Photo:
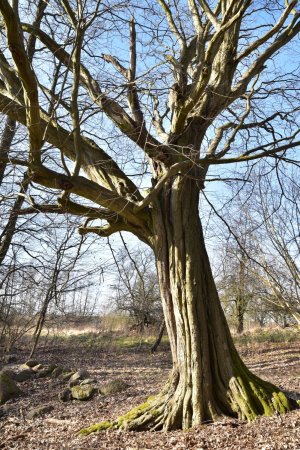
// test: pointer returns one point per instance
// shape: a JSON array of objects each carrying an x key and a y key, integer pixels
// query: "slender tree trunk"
[
  {"x": 159, "y": 337},
  {"x": 10, "y": 228},
  {"x": 240, "y": 310},
  {"x": 208, "y": 378},
  {"x": 5, "y": 143},
  {"x": 39, "y": 325}
]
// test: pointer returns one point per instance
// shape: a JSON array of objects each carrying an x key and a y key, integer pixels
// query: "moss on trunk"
[{"x": 208, "y": 380}]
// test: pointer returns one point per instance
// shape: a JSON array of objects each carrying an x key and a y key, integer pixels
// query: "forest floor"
[{"x": 145, "y": 373}]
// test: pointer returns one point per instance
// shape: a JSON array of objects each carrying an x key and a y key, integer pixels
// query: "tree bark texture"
[{"x": 208, "y": 379}]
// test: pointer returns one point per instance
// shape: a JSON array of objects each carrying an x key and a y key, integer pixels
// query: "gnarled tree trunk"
[{"x": 208, "y": 378}]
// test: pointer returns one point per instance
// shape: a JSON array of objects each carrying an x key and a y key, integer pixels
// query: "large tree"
[{"x": 182, "y": 86}]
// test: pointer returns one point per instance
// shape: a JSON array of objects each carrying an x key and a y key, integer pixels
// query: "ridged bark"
[{"x": 208, "y": 378}]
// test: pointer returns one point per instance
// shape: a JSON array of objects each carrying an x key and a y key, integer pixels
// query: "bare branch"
[
  {"x": 210, "y": 15},
  {"x": 28, "y": 80}
]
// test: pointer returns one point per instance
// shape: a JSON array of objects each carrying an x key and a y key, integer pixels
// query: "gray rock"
[
  {"x": 67, "y": 375},
  {"x": 65, "y": 395},
  {"x": 82, "y": 392},
  {"x": 77, "y": 377},
  {"x": 113, "y": 387},
  {"x": 45, "y": 371},
  {"x": 83, "y": 373},
  {"x": 23, "y": 375},
  {"x": 39, "y": 411},
  {"x": 87, "y": 381},
  {"x": 31, "y": 363},
  {"x": 57, "y": 372},
  {"x": 37, "y": 367},
  {"x": 8, "y": 388}
]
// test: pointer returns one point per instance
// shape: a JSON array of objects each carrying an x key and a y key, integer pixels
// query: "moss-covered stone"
[
  {"x": 8, "y": 388},
  {"x": 82, "y": 392},
  {"x": 113, "y": 387},
  {"x": 77, "y": 377},
  {"x": 87, "y": 381},
  {"x": 57, "y": 372}
]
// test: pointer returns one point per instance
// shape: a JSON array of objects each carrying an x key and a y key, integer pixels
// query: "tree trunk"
[
  {"x": 240, "y": 311},
  {"x": 159, "y": 337},
  {"x": 208, "y": 379}
]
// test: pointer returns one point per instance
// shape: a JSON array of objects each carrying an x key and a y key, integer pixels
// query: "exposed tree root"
[
  {"x": 246, "y": 398},
  {"x": 147, "y": 416}
]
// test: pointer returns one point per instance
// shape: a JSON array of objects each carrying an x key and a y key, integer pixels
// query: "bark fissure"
[{"x": 208, "y": 379}]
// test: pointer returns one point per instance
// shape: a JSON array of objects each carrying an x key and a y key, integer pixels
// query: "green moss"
[
  {"x": 122, "y": 421},
  {"x": 134, "y": 413},
  {"x": 243, "y": 398},
  {"x": 263, "y": 397},
  {"x": 281, "y": 402},
  {"x": 113, "y": 387},
  {"x": 96, "y": 428}
]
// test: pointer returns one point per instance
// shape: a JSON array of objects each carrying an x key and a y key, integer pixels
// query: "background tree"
[
  {"x": 269, "y": 243},
  {"x": 237, "y": 284},
  {"x": 136, "y": 290},
  {"x": 44, "y": 281},
  {"x": 195, "y": 87},
  {"x": 275, "y": 216}
]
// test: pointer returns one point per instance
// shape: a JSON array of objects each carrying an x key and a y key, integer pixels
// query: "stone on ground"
[
  {"x": 37, "y": 367},
  {"x": 113, "y": 387},
  {"x": 87, "y": 381},
  {"x": 65, "y": 395},
  {"x": 57, "y": 372},
  {"x": 75, "y": 379},
  {"x": 23, "y": 375},
  {"x": 39, "y": 411},
  {"x": 67, "y": 375},
  {"x": 31, "y": 363},
  {"x": 46, "y": 371},
  {"x": 8, "y": 388},
  {"x": 84, "y": 392}
]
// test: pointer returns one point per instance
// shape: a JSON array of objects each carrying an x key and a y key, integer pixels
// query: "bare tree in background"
[
  {"x": 136, "y": 290},
  {"x": 201, "y": 84},
  {"x": 261, "y": 244},
  {"x": 236, "y": 284},
  {"x": 8, "y": 136},
  {"x": 278, "y": 213}
]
